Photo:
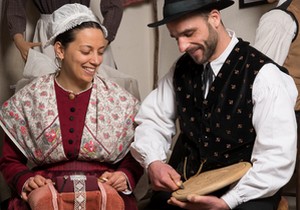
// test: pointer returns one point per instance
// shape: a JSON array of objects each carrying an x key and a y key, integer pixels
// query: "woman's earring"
[{"x": 57, "y": 62}]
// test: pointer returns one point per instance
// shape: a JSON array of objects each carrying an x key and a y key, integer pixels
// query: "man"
[{"x": 246, "y": 114}]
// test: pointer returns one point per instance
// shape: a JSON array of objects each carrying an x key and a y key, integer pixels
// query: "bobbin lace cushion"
[{"x": 76, "y": 192}]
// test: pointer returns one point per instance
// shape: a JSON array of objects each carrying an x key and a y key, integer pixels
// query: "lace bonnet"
[{"x": 67, "y": 17}]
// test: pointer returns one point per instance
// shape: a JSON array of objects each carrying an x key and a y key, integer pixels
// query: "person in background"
[
  {"x": 111, "y": 10},
  {"x": 233, "y": 104},
  {"x": 278, "y": 37},
  {"x": 71, "y": 121}
]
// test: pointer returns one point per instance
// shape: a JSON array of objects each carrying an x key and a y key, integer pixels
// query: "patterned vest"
[
  {"x": 218, "y": 129},
  {"x": 292, "y": 61}
]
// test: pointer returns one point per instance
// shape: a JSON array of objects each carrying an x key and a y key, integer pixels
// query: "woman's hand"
[
  {"x": 33, "y": 183},
  {"x": 117, "y": 180}
]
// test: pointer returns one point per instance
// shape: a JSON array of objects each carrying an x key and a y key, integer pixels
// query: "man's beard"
[{"x": 209, "y": 46}]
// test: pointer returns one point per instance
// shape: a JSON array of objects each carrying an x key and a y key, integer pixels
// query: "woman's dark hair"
[{"x": 69, "y": 35}]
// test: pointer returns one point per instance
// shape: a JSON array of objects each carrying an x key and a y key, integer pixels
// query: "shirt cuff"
[{"x": 232, "y": 199}]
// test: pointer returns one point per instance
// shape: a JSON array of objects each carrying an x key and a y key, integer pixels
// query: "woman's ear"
[{"x": 59, "y": 50}]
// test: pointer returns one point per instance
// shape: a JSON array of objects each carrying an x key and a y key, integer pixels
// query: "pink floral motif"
[
  {"x": 5, "y": 104},
  {"x": 115, "y": 116},
  {"x": 121, "y": 147},
  {"x": 41, "y": 106},
  {"x": 93, "y": 120},
  {"x": 123, "y": 98},
  {"x": 118, "y": 134},
  {"x": 106, "y": 135},
  {"x": 17, "y": 116},
  {"x": 101, "y": 117},
  {"x": 11, "y": 113},
  {"x": 111, "y": 99},
  {"x": 124, "y": 134},
  {"x": 50, "y": 113},
  {"x": 89, "y": 146},
  {"x": 44, "y": 93},
  {"x": 51, "y": 136},
  {"x": 27, "y": 103},
  {"x": 23, "y": 130},
  {"x": 38, "y": 153}
]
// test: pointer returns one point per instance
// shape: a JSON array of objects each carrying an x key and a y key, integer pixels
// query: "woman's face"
[{"x": 82, "y": 57}]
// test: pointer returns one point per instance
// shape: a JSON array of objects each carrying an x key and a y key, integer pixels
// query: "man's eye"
[{"x": 188, "y": 34}]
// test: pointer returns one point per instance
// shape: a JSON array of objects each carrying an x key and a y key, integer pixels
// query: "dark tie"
[{"x": 207, "y": 78}]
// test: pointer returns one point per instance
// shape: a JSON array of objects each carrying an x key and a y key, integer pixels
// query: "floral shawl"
[{"x": 30, "y": 118}]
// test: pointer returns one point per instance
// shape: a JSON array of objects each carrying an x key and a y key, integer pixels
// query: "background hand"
[{"x": 24, "y": 46}]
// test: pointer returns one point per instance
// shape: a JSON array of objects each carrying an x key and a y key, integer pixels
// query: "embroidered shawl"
[{"x": 30, "y": 118}]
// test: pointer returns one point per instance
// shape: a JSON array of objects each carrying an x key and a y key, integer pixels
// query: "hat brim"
[{"x": 219, "y": 5}]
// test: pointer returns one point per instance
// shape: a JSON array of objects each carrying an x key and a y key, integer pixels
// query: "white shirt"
[
  {"x": 273, "y": 157},
  {"x": 274, "y": 34}
]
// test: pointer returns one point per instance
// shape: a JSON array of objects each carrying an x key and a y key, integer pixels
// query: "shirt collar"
[{"x": 217, "y": 64}]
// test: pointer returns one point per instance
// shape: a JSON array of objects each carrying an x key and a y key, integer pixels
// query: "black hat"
[{"x": 174, "y": 9}]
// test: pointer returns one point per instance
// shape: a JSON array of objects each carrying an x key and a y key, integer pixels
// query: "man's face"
[{"x": 195, "y": 36}]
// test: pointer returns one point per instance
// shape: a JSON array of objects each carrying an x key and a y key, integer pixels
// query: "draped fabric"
[{"x": 31, "y": 120}]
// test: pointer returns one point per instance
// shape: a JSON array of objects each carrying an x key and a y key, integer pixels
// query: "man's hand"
[
  {"x": 33, "y": 183},
  {"x": 195, "y": 202},
  {"x": 163, "y": 176},
  {"x": 24, "y": 46}
]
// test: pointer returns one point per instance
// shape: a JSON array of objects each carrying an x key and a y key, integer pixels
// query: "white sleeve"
[
  {"x": 274, "y": 35},
  {"x": 274, "y": 153},
  {"x": 156, "y": 123}
]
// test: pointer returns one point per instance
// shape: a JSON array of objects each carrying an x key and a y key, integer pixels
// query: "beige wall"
[{"x": 134, "y": 45}]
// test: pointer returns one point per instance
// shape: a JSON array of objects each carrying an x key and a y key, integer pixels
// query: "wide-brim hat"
[{"x": 174, "y": 9}]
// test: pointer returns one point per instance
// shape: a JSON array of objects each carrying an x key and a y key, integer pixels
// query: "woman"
[{"x": 70, "y": 122}]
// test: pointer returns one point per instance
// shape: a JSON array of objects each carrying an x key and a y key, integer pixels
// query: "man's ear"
[
  {"x": 214, "y": 18},
  {"x": 59, "y": 50}
]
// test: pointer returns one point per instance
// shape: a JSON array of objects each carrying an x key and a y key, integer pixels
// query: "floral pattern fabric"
[{"x": 30, "y": 118}]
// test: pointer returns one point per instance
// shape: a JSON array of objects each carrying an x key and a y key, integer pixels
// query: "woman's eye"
[{"x": 85, "y": 52}]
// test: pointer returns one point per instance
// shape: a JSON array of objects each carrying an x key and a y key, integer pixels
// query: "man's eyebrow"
[{"x": 188, "y": 30}]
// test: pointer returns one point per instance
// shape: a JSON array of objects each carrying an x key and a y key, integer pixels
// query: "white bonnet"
[{"x": 68, "y": 16}]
